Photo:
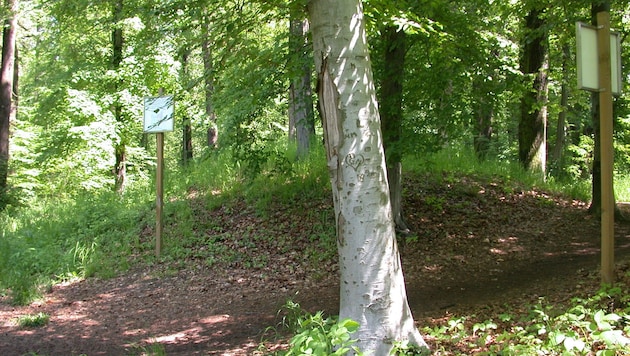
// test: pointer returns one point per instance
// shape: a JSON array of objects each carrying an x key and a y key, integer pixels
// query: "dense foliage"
[
  {"x": 228, "y": 64},
  {"x": 77, "y": 110}
]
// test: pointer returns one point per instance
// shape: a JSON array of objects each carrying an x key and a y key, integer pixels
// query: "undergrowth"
[
  {"x": 103, "y": 233},
  {"x": 593, "y": 325}
]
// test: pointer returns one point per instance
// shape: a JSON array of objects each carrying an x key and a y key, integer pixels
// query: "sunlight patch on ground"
[
  {"x": 214, "y": 319},
  {"x": 509, "y": 245},
  {"x": 177, "y": 337},
  {"x": 73, "y": 318},
  {"x": 245, "y": 349},
  {"x": 433, "y": 268},
  {"x": 195, "y": 333}
]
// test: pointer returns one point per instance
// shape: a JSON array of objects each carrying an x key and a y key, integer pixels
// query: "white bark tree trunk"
[{"x": 372, "y": 284}]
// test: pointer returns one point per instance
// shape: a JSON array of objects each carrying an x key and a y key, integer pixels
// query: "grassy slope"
[{"x": 104, "y": 234}]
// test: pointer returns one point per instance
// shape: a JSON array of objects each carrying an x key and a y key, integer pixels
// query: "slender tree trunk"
[
  {"x": 533, "y": 122},
  {"x": 208, "y": 75},
  {"x": 596, "y": 201},
  {"x": 561, "y": 129},
  {"x": 372, "y": 288},
  {"x": 7, "y": 75},
  {"x": 187, "y": 144},
  {"x": 483, "y": 122},
  {"x": 120, "y": 168},
  {"x": 391, "y": 112},
  {"x": 484, "y": 131},
  {"x": 301, "y": 117}
]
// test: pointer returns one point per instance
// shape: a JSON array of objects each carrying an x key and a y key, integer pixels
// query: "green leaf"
[
  {"x": 573, "y": 343},
  {"x": 350, "y": 324}
]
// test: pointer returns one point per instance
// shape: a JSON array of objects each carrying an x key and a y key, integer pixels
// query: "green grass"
[
  {"x": 33, "y": 320},
  {"x": 102, "y": 233},
  {"x": 458, "y": 161}
]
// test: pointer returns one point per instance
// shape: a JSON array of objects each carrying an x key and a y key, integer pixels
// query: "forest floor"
[{"x": 478, "y": 245}]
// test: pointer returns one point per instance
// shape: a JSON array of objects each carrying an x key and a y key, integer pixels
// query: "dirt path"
[
  {"x": 192, "y": 314},
  {"x": 498, "y": 250}
]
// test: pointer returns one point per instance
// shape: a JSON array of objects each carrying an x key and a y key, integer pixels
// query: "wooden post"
[
  {"x": 159, "y": 188},
  {"x": 160, "y": 192},
  {"x": 606, "y": 132}
]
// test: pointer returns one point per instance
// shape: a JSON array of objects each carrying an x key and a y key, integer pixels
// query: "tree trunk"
[
  {"x": 596, "y": 189},
  {"x": 301, "y": 117},
  {"x": 561, "y": 129},
  {"x": 208, "y": 75},
  {"x": 391, "y": 112},
  {"x": 372, "y": 288},
  {"x": 7, "y": 75},
  {"x": 484, "y": 115},
  {"x": 120, "y": 168},
  {"x": 533, "y": 122},
  {"x": 187, "y": 144}
]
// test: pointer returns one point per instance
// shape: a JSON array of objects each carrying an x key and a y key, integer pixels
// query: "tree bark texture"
[
  {"x": 391, "y": 113},
  {"x": 372, "y": 287},
  {"x": 120, "y": 168},
  {"x": 301, "y": 116},
  {"x": 533, "y": 122},
  {"x": 208, "y": 75},
  {"x": 187, "y": 143},
  {"x": 7, "y": 74},
  {"x": 561, "y": 128}
]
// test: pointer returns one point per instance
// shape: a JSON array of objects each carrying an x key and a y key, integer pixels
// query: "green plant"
[
  {"x": 151, "y": 349},
  {"x": 33, "y": 320},
  {"x": 404, "y": 348},
  {"x": 316, "y": 335},
  {"x": 588, "y": 326}
]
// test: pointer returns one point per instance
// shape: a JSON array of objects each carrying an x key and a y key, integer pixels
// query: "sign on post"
[
  {"x": 158, "y": 114},
  {"x": 587, "y": 59},
  {"x": 158, "y": 118},
  {"x": 599, "y": 69}
]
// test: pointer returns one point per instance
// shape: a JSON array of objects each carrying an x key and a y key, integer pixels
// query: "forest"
[{"x": 319, "y": 148}]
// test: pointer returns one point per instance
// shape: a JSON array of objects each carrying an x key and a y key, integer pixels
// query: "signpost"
[
  {"x": 599, "y": 69},
  {"x": 158, "y": 118}
]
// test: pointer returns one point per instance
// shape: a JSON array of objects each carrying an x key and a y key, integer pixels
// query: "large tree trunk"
[
  {"x": 7, "y": 75},
  {"x": 120, "y": 168},
  {"x": 391, "y": 112},
  {"x": 208, "y": 76},
  {"x": 533, "y": 122},
  {"x": 372, "y": 288},
  {"x": 301, "y": 117}
]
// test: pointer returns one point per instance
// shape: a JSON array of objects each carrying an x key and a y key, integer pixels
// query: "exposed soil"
[{"x": 476, "y": 244}]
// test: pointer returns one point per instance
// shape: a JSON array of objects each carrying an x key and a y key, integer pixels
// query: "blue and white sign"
[{"x": 158, "y": 114}]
